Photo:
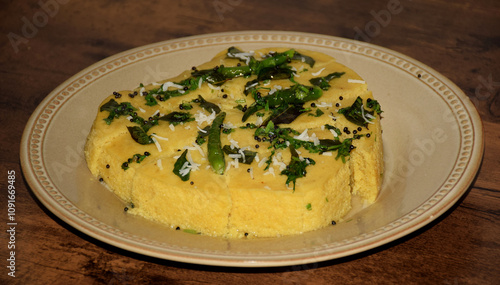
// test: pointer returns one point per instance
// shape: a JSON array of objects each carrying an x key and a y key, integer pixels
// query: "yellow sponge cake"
[{"x": 251, "y": 144}]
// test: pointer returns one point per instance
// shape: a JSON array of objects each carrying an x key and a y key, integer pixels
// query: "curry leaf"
[
  {"x": 209, "y": 107},
  {"x": 180, "y": 164},
  {"x": 274, "y": 73},
  {"x": 356, "y": 113},
  {"x": 139, "y": 135},
  {"x": 323, "y": 82},
  {"x": 304, "y": 58},
  {"x": 176, "y": 118},
  {"x": 285, "y": 116},
  {"x": 248, "y": 155}
]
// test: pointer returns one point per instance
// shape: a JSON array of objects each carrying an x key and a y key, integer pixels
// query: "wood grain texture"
[{"x": 460, "y": 39}]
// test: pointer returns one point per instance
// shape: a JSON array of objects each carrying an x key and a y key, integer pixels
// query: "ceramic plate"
[{"x": 433, "y": 145}]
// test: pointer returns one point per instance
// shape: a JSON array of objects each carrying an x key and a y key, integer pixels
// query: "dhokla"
[{"x": 260, "y": 143}]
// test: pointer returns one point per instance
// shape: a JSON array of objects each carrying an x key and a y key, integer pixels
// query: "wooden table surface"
[{"x": 46, "y": 42}]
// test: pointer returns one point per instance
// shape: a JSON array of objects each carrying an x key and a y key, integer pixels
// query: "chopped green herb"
[
  {"x": 116, "y": 110},
  {"x": 150, "y": 99},
  {"x": 336, "y": 130},
  {"x": 138, "y": 158},
  {"x": 281, "y": 138},
  {"x": 190, "y": 231},
  {"x": 227, "y": 131},
  {"x": 344, "y": 149},
  {"x": 183, "y": 87},
  {"x": 309, "y": 207},
  {"x": 126, "y": 109},
  {"x": 185, "y": 106},
  {"x": 373, "y": 104},
  {"x": 249, "y": 126},
  {"x": 318, "y": 113},
  {"x": 202, "y": 134},
  {"x": 296, "y": 168},
  {"x": 269, "y": 160}
]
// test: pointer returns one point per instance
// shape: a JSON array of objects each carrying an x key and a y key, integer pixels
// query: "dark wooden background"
[{"x": 460, "y": 39}]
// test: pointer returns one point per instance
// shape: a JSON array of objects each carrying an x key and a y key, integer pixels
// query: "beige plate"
[{"x": 433, "y": 144}]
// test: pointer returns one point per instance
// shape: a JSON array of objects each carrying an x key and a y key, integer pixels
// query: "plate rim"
[{"x": 387, "y": 236}]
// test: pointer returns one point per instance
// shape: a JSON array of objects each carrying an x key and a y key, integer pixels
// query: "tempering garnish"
[{"x": 276, "y": 107}]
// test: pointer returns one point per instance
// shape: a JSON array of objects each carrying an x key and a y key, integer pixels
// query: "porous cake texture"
[{"x": 251, "y": 144}]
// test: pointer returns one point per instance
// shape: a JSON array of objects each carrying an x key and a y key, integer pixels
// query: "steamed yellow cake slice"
[
  {"x": 251, "y": 144},
  {"x": 367, "y": 165},
  {"x": 263, "y": 203},
  {"x": 203, "y": 204}
]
